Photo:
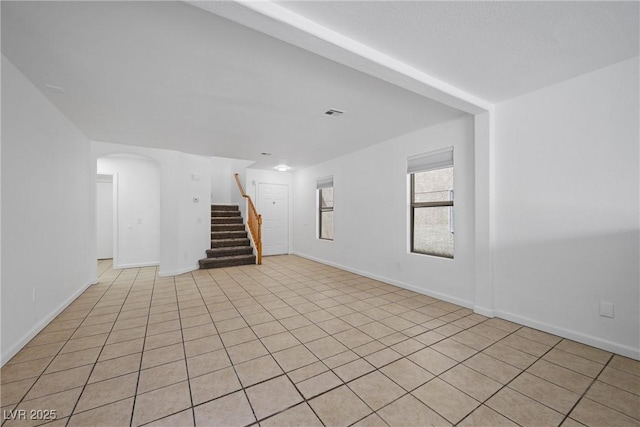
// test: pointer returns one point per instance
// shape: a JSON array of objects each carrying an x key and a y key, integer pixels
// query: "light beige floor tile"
[
  {"x": 107, "y": 391},
  {"x": 615, "y": 398},
  {"x": 558, "y": 375},
  {"x": 318, "y": 384},
  {"x": 409, "y": 411},
  {"x": 163, "y": 340},
  {"x": 326, "y": 347},
  {"x": 161, "y": 402},
  {"x": 369, "y": 348},
  {"x": 376, "y": 330},
  {"x": 621, "y": 379},
  {"x": 162, "y": 376},
  {"x": 354, "y": 369},
  {"x": 207, "y": 362},
  {"x": 273, "y": 396},
  {"x": 193, "y": 321},
  {"x": 202, "y": 345},
  {"x": 510, "y": 355},
  {"x": 485, "y": 416},
  {"x": 573, "y": 362},
  {"x": 84, "y": 343},
  {"x": 430, "y": 338},
  {"x": 123, "y": 348},
  {"x": 232, "y": 410},
  {"x": 294, "y": 358},
  {"x": 476, "y": 385},
  {"x": 295, "y": 322},
  {"x": 182, "y": 419},
  {"x": 352, "y": 338},
  {"x": 308, "y": 333},
  {"x": 453, "y": 349},
  {"x": 376, "y": 390},
  {"x": 62, "y": 403},
  {"x": 558, "y": 398},
  {"x": 532, "y": 347},
  {"x": 372, "y": 420},
  {"x": 408, "y": 346},
  {"x": 257, "y": 370},
  {"x": 159, "y": 328},
  {"x": 493, "y": 368},
  {"x": 59, "y": 381},
  {"x": 300, "y": 415},
  {"x": 432, "y": 361},
  {"x": 199, "y": 332},
  {"x": 591, "y": 413},
  {"x": 267, "y": 329},
  {"x": 72, "y": 360},
  {"x": 446, "y": 400},
  {"x": 37, "y": 352},
  {"x": 383, "y": 357},
  {"x": 473, "y": 340},
  {"x": 162, "y": 355},
  {"x": 333, "y": 326},
  {"x": 586, "y": 351},
  {"x": 307, "y": 372},
  {"x": 505, "y": 325},
  {"x": 118, "y": 413},
  {"x": 126, "y": 335},
  {"x": 246, "y": 351},
  {"x": 213, "y": 385},
  {"x": 538, "y": 336},
  {"x": 625, "y": 364},
  {"x": 523, "y": 410},
  {"x": 406, "y": 374},
  {"x": 339, "y": 407},
  {"x": 14, "y": 392},
  {"x": 115, "y": 367},
  {"x": 51, "y": 337}
]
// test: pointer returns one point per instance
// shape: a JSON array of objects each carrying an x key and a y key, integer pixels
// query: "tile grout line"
[{"x": 65, "y": 343}]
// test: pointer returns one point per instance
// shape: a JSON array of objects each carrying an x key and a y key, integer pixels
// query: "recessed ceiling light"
[
  {"x": 56, "y": 89},
  {"x": 266, "y": 154},
  {"x": 333, "y": 112},
  {"x": 282, "y": 168}
]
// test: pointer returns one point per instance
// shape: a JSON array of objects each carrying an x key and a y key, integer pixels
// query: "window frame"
[{"x": 413, "y": 205}]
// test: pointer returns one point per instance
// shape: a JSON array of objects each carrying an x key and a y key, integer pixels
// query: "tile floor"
[{"x": 297, "y": 343}]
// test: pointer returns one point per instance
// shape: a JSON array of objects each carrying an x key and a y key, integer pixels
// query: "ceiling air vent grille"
[{"x": 333, "y": 113}]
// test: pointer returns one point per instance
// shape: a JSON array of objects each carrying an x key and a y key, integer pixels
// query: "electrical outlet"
[{"x": 607, "y": 309}]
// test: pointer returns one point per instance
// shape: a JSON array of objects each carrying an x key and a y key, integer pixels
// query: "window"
[
  {"x": 325, "y": 208},
  {"x": 432, "y": 222}
]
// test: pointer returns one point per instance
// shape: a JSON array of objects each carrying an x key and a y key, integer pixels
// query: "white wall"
[
  {"x": 137, "y": 209},
  {"x": 566, "y": 208},
  {"x": 184, "y": 225},
  {"x": 371, "y": 213},
  {"x": 47, "y": 211}
]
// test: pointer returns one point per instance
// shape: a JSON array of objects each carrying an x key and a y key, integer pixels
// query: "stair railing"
[{"x": 254, "y": 220}]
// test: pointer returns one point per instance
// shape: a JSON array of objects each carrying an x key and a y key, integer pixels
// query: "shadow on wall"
[{"x": 136, "y": 209}]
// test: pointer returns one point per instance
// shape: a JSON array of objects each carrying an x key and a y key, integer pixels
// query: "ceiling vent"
[{"x": 333, "y": 113}]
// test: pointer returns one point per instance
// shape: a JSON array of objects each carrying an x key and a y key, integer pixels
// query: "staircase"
[{"x": 230, "y": 245}]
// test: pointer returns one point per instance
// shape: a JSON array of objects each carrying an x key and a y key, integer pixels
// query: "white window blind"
[
  {"x": 433, "y": 160},
  {"x": 326, "y": 182}
]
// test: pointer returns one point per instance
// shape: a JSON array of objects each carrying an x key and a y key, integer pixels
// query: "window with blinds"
[{"x": 432, "y": 203}]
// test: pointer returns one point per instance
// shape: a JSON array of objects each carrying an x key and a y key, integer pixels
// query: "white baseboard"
[
  {"x": 8, "y": 354},
  {"x": 136, "y": 265},
  {"x": 440, "y": 296},
  {"x": 177, "y": 272},
  {"x": 624, "y": 350}
]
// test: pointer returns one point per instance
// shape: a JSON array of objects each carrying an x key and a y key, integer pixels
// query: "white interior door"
[
  {"x": 104, "y": 197},
  {"x": 273, "y": 205}
]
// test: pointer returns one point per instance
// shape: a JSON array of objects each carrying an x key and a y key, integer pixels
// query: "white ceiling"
[
  {"x": 170, "y": 75},
  {"x": 494, "y": 50}
]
